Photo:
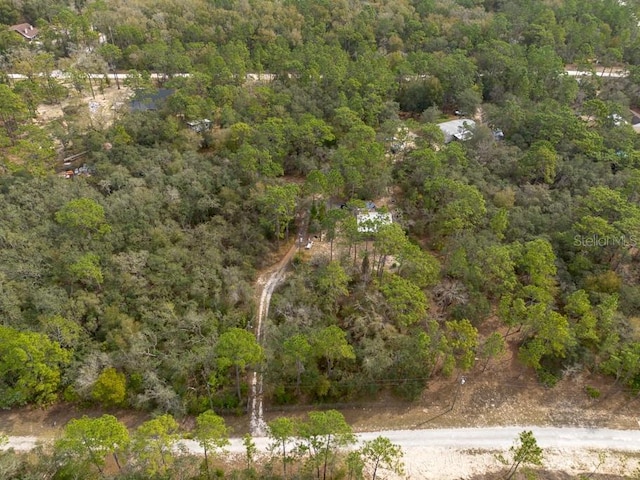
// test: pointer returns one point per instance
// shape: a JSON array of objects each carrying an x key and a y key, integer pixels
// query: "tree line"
[{"x": 322, "y": 446}]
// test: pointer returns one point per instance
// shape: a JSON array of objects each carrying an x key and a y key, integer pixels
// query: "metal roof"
[
  {"x": 459, "y": 129},
  {"x": 370, "y": 222}
]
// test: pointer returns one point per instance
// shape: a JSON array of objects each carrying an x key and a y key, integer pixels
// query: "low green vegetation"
[{"x": 525, "y": 454}]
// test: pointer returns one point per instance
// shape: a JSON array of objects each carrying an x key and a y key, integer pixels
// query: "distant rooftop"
[
  {"x": 370, "y": 222},
  {"x": 27, "y": 30},
  {"x": 457, "y": 129},
  {"x": 201, "y": 125}
]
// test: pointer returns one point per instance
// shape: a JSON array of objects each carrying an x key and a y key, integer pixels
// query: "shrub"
[
  {"x": 547, "y": 378},
  {"x": 592, "y": 391},
  {"x": 110, "y": 388}
]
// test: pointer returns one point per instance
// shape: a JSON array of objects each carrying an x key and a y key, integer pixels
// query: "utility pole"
[
  {"x": 113, "y": 68},
  {"x": 462, "y": 381}
]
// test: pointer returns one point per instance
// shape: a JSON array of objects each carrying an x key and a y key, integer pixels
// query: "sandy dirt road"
[
  {"x": 461, "y": 453},
  {"x": 267, "y": 284}
]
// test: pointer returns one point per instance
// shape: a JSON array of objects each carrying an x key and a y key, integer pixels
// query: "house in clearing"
[
  {"x": 27, "y": 30},
  {"x": 460, "y": 129},
  {"x": 200, "y": 126}
]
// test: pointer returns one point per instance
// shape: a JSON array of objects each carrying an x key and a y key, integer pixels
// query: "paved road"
[
  {"x": 492, "y": 438},
  {"x": 268, "y": 77},
  {"x": 250, "y": 77},
  {"x": 601, "y": 73}
]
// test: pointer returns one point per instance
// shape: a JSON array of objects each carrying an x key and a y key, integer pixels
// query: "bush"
[
  {"x": 69, "y": 394},
  {"x": 547, "y": 378},
  {"x": 282, "y": 396},
  {"x": 110, "y": 388},
  {"x": 197, "y": 404},
  {"x": 592, "y": 391},
  {"x": 225, "y": 400}
]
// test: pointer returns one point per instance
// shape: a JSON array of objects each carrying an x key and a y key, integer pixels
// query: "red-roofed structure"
[{"x": 27, "y": 30}]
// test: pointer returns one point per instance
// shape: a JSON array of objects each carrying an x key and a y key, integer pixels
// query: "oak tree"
[{"x": 30, "y": 367}]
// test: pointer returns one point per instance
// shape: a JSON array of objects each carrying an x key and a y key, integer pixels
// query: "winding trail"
[{"x": 267, "y": 283}]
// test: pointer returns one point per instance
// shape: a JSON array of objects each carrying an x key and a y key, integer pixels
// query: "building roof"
[
  {"x": 370, "y": 222},
  {"x": 27, "y": 30},
  {"x": 201, "y": 125},
  {"x": 457, "y": 129}
]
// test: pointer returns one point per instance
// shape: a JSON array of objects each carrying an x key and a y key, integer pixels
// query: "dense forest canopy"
[{"x": 134, "y": 286}]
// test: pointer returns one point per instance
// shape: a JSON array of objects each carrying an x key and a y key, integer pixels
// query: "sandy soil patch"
[
  {"x": 99, "y": 111},
  {"x": 450, "y": 464}
]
